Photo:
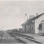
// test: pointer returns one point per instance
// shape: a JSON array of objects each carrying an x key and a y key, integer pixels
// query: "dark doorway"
[{"x": 40, "y": 26}]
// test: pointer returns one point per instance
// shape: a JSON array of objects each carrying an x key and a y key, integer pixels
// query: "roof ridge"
[{"x": 29, "y": 20}]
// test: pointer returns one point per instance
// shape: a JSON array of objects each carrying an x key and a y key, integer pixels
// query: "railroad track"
[
  {"x": 24, "y": 36},
  {"x": 19, "y": 40}
]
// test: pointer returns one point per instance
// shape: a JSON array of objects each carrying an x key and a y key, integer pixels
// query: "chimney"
[
  {"x": 36, "y": 14},
  {"x": 31, "y": 16}
]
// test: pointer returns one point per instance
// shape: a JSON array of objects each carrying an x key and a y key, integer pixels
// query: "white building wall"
[
  {"x": 36, "y": 27},
  {"x": 37, "y": 22}
]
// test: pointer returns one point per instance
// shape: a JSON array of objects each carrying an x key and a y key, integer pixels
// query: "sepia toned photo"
[{"x": 21, "y": 22}]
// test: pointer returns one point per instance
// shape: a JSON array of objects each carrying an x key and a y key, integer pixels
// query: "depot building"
[{"x": 34, "y": 25}]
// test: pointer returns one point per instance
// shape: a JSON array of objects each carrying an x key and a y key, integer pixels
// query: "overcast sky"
[{"x": 12, "y": 13}]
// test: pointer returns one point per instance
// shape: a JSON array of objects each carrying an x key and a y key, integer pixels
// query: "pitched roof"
[{"x": 30, "y": 20}]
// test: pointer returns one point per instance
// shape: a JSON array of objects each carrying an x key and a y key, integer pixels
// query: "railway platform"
[{"x": 37, "y": 37}]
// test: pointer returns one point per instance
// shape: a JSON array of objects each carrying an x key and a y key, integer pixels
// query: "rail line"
[{"x": 20, "y": 41}]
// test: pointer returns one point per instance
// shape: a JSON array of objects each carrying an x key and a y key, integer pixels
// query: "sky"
[{"x": 12, "y": 13}]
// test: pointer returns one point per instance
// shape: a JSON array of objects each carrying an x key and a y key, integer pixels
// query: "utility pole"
[{"x": 26, "y": 18}]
